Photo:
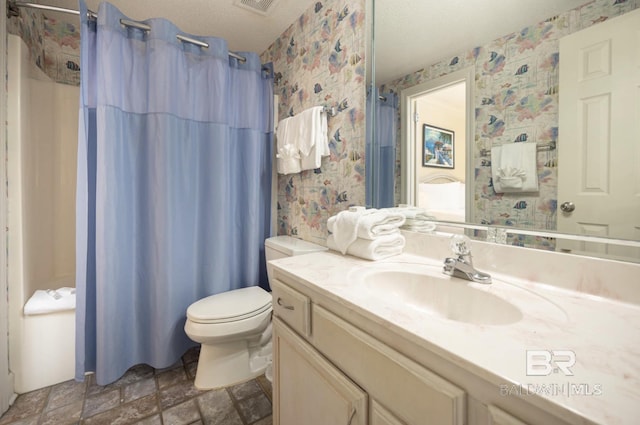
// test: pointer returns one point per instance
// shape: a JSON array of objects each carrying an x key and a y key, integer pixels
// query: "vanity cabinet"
[
  {"x": 308, "y": 389},
  {"x": 381, "y": 416},
  {"x": 498, "y": 416},
  {"x": 327, "y": 371},
  {"x": 382, "y": 345}
]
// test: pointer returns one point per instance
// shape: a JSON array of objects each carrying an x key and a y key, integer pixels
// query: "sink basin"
[{"x": 443, "y": 296}]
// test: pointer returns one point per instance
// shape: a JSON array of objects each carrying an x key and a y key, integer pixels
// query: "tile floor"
[{"x": 145, "y": 396}]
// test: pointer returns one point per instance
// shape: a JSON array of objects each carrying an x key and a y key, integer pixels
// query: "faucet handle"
[{"x": 460, "y": 245}]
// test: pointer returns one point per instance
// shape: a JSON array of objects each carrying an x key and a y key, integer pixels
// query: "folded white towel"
[
  {"x": 424, "y": 227},
  {"x": 514, "y": 168},
  {"x": 377, "y": 249},
  {"x": 362, "y": 223},
  {"x": 288, "y": 153},
  {"x": 419, "y": 221},
  {"x": 50, "y": 300},
  {"x": 411, "y": 212},
  {"x": 379, "y": 223},
  {"x": 344, "y": 227}
]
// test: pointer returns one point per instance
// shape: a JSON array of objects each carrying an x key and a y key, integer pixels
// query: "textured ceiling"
[
  {"x": 243, "y": 29},
  {"x": 409, "y": 33}
]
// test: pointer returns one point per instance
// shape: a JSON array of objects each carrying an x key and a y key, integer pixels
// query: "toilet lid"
[{"x": 230, "y": 306}]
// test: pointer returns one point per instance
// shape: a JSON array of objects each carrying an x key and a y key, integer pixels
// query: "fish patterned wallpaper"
[
  {"x": 516, "y": 100},
  {"x": 54, "y": 43},
  {"x": 320, "y": 60}
]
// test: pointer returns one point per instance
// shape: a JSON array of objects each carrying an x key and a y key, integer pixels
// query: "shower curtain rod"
[{"x": 12, "y": 10}]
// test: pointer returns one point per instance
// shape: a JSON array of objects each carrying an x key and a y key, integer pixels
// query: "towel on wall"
[
  {"x": 311, "y": 125},
  {"x": 302, "y": 141},
  {"x": 287, "y": 151},
  {"x": 376, "y": 249},
  {"x": 514, "y": 168}
]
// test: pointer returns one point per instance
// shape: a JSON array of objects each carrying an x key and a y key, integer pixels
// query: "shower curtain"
[
  {"x": 381, "y": 148},
  {"x": 173, "y": 196}
]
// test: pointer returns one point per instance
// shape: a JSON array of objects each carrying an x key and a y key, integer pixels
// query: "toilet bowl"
[{"x": 234, "y": 327}]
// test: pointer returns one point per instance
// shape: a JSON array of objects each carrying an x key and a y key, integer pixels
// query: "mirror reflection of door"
[
  {"x": 439, "y": 138},
  {"x": 599, "y": 124}
]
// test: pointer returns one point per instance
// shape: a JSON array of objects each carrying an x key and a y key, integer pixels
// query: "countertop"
[{"x": 602, "y": 387}]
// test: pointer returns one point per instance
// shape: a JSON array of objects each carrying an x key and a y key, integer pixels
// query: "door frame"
[
  {"x": 408, "y": 97},
  {"x": 6, "y": 380}
]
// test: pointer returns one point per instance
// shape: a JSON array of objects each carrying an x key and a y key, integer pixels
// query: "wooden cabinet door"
[
  {"x": 414, "y": 394},
  {"x": 498, "y": 416},
  {"x": 381, "y": 416},
  {"x": 308, "y": 389}
]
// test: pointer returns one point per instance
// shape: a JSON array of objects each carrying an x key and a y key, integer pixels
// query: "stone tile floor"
[{"x": 145, "y": 396}]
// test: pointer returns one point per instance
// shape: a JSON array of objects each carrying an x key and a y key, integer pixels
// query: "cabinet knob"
[
  {"x": 283, "y": 305},
  {"x": 353, "y": 414}
]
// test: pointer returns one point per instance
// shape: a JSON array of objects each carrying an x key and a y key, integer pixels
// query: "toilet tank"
[{"x": 288, "y": 246}]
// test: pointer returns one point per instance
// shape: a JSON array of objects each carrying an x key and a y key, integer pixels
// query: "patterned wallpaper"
[
  {"x": 516, "y": 100},
  {"x": 54, "y": 44},
  {"x": 320, "y": 60}
]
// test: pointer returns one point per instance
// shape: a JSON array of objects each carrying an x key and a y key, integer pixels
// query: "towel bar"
[
  {"x": 541, "y": 147},
  {"x": 329, "y": 110}
]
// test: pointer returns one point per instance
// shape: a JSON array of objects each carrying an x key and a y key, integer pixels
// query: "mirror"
[{"x": 512, "y": 54}]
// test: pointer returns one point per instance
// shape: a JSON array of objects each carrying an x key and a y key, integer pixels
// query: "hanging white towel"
[
  {"x": 377, "y": 249},
  {"x": 514, "y": 168},
  {"x": 311, "y": 125},
  {"x": 288, "y": 152}
]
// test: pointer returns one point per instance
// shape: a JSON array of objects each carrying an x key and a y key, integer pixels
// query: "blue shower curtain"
[
  {"x": 173, "y": 194},
  {"x": 381, "y": 148}
]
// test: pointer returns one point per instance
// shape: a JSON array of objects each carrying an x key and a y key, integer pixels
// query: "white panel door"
[{"x": 599, "y": 139}]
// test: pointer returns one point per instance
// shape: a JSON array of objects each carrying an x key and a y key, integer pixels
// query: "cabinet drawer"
[
  {"x": 389, "y": 377},
  {"x": 292, "y": 307}
]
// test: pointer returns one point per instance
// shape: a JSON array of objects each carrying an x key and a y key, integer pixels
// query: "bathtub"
[
  {"x": 42, "y": 139},
  {"x": 45, "y": 351}
]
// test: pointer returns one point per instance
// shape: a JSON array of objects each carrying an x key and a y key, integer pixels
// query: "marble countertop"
[{"x": 602, "y": 334}]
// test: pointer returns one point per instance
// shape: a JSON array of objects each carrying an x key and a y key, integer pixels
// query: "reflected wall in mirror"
[{"x": 515, "y": 101}]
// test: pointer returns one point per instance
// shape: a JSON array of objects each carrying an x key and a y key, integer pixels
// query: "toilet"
[{"x": 234, "y": 327}]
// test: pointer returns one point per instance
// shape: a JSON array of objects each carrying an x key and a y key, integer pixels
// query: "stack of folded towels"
[
  {"x": 416, "y": 219},
  {"x": 371, "y": 234}
]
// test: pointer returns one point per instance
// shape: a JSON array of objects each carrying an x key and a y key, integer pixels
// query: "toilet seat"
[{"x": 231, "y": 306}]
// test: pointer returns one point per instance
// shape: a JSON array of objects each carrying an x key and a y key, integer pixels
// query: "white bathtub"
[
  {"x": 41, "y": 150},
  {"x": 46, "y": 351}
]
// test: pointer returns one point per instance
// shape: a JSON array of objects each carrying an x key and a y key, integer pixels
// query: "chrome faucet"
[{"x": 462, "y": 266}]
